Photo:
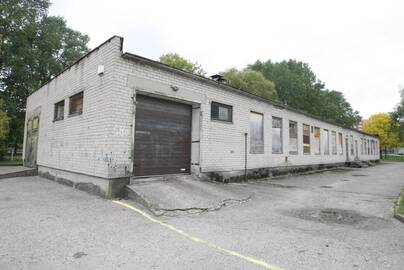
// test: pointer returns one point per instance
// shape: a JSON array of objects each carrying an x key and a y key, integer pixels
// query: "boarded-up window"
[
  {"x": 340, "y": 144},
  {"x": 293, "y": 149},
  {"x": 306, "y": 139},
  {"x": 221, "y": 112},
  {"x": 256, "y": 133},
  {"x": 326, "y": 142},
  {"x": 351, "y": 144},
  {"x": 76, "y": 104},
  {"x": 276, "y": 135},
  {"x": 317, "y": 141},
  {"x": 59, "y": 111},
  {"x": 334, "y": 142}
]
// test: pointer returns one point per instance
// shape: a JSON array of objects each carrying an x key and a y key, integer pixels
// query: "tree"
[
  {"x": 398, "y": 117},
  {"x": 175, "y": 60},
  {"x": 298, "y": 87},
  {"x": 251, "y": 81},
  {"x": 34, "y": 47},
  {"x": 4, "y": 129},
  {"x": 382, "y": 125}
]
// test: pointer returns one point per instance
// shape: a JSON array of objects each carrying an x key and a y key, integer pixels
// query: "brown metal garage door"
[{"x": 162, "y": 137}]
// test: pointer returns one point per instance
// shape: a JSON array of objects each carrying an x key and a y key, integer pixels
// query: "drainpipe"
[{"x": 245, "y": 156}]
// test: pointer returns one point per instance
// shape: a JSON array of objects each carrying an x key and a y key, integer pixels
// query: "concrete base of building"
[
  {"x": 271, "y": 172},
  {"x": 104, "y": 187},
  {"x": 16, "y": 171}
]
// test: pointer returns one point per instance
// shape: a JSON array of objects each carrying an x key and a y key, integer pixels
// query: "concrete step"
[
  {"x": 173, "y": 195},
  {"x": 16, "y": 171}
]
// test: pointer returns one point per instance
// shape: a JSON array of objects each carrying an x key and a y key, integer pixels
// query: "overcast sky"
[{"x": 356, "y": 47}]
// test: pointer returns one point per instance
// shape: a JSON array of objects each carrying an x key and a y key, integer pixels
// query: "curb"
[
  {"x": 31, "y": 172},
  {"x": 398, "y": 216}
]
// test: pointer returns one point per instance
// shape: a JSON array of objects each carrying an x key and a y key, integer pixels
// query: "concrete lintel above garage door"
[{"x": 167, "y": 91}]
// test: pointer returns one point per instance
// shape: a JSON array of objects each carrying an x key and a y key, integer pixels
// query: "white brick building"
[{"x": 114, "y": 115}]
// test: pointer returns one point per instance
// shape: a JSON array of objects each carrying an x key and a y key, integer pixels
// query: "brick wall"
[
  {"x": 100, "y": 141},
  {"x": 79, "y": 143}
]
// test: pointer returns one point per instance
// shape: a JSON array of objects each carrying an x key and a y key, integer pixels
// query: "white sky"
[{"x": 355, "y": 46}]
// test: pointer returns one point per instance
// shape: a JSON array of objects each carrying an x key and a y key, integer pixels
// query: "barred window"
[{"x": 221, "y": 112}]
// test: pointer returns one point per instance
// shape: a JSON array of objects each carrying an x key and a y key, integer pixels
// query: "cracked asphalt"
[{"x": 339, "y": 219}]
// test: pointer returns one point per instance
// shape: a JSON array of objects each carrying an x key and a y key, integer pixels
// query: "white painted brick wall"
[
  {"x": 222, "y": 144},
  {"x": 79, "y": 143},
  {"x": 99, "y": 142}
]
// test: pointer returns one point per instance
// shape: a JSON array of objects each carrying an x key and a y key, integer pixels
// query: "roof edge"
[
  {"x": 157, "y": 64},
  {"x": 79, "y": 60}
]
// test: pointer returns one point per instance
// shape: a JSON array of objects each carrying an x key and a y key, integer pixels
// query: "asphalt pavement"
[{"x": 339, "y": 219}]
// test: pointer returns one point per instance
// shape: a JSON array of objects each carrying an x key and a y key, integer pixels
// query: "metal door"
[{"x": 162, "y": 137}]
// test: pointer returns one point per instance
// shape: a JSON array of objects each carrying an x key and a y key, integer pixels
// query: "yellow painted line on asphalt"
[{"x": 198, "y": 240}]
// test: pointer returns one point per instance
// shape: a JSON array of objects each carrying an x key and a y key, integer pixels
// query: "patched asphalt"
[{"x": 333, "y": 220}]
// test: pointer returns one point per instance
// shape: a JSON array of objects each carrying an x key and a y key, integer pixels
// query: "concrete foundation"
[
  {"x": 104, "y": 187},
  {"x": 270, "y": 172}
]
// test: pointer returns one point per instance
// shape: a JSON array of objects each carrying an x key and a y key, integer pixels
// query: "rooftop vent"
[{"x": 218, "y": 78}]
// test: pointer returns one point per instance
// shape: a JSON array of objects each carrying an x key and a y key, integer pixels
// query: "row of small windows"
[
  {"x": 75, "y": 107},
  {"x": 224, "y": 112}
]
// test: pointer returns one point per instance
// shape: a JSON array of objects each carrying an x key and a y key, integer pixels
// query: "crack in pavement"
[{"x": 199, "y": 210}]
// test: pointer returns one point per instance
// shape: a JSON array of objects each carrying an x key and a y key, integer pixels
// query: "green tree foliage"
[
  {"x": 4, "y": 121},
  {"x": 4, "y": 129},
  {"x": 34, "y": 47},
  {"x": 298, "y": 87},
  {"x": 398, "y": 117},
  {"x": 175, "y": 60},
  {"x": 251, "y": 81},
  {"x": 382, "y": 125}
]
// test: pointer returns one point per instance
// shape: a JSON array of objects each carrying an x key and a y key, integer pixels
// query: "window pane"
[
  {"x": 256, "y": 133},
  {"x": 59, "y": 110},
  {"x": 326, "y": 143},
  {"x": 366, "y": 148},
  {"x": 317, "y": 141},
  {"x": 334, "y": 142},
  {"x": 276, "y": 135},
  {"x": 293, "y": 137},
  {"x": 352, "y": 147},
  {"x": 76, "y": 104},
  {"x": 340, "y": 145},
  {"x": 306, "y": 139},
  {"x": 221, "y": 112}
]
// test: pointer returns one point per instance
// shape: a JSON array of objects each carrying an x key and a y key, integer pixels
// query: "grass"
[
  {"x": 400, "y": 208},
  {"x": 8, "y": 162},
  {"x": 394, "y": 158}
]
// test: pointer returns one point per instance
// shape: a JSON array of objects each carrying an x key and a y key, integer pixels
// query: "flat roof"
[{"x": 157, "y": 64}]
